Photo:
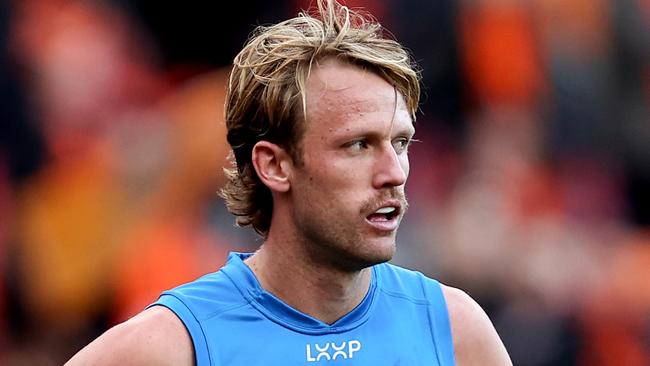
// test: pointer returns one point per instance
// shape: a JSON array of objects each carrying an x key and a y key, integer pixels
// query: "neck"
[{"x": 317, "y": 289}]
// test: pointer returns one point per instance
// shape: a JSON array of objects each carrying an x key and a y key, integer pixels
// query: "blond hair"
[{"x": 266, "y": 91}]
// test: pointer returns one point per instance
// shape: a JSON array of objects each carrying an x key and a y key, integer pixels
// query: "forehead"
[{"x": 339, "y": 93}]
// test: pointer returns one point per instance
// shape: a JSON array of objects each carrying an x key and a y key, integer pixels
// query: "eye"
[
  {"x": 401, "y": 144},
  {"x": 357, "y": 145}
]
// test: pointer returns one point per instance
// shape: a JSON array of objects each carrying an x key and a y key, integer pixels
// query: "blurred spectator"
[
  {"x": 615, "y": 318},
  {"x": 86, "y": 74},
  {"x": 21, "y": 154},
  {"x": 172, "y": 241}
]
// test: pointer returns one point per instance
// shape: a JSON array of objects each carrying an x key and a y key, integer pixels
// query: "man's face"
[{"x": 348, "y": 195}]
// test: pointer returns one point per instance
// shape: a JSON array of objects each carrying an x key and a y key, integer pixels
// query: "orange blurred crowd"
[{"x": 529, "y": 187}]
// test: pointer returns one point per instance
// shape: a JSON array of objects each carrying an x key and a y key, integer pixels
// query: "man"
[{"x": 320, "y": 114}]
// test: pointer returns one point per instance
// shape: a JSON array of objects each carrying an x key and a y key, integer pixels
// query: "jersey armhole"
[
  {"x": 201, "y": 352},
  {"x": 442, "y": 326}
]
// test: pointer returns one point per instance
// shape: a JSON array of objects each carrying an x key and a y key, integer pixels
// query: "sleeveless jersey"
[{"x": 402, "y": 320}]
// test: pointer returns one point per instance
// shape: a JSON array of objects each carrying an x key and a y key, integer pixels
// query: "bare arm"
[
  {"x": 154, "y": 337},
  {"x": 476, "y": 342}
]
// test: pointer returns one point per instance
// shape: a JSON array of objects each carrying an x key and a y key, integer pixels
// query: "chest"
[{"x": 390, "y": 340}]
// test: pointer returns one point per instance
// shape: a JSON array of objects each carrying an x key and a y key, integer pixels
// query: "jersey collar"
[{"x": 278, "y": 311}]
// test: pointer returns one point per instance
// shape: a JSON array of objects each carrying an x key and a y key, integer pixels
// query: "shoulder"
[
  {"x": 476, "y": 341},
  {"x": 407, "y": 283},
  {"x": 206, "y": 297},
  {"x": 394, "y": 278},
  {"x": 154, "y": 337}
]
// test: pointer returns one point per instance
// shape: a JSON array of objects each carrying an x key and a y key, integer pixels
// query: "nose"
[{"x": 391, "y": 169}]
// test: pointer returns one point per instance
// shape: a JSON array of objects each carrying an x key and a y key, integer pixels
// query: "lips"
[{"x": 386, "y": 216}]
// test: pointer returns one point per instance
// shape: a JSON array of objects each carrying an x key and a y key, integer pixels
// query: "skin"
[{"x": 321, "y": 242}]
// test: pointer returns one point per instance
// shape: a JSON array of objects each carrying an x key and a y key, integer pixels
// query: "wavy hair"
[{"x": 266, "y": 97}]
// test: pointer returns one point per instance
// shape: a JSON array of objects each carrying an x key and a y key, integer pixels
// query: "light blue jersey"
[{"x": 403, "y": 320}]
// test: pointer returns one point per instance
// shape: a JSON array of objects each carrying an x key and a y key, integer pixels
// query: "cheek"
[
  {"x": 339, "y": 187},
  {"x": 336, "y": 173}
]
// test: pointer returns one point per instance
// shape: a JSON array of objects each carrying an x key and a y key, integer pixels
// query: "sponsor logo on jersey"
[{"x": 332, "y": 351}]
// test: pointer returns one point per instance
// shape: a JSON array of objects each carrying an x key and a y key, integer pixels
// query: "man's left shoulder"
[
  {"x": 476, "y": 341},
  {"x": 395, "y": 271},
  {"x": 407, "y": 283}
]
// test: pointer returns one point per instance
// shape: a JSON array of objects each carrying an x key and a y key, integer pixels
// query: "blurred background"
[{"x": 529, "y": 188}]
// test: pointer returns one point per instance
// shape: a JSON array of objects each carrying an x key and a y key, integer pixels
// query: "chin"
[
  {"x": 378, "y": 251},
  {"x": 385, "y": 254}
]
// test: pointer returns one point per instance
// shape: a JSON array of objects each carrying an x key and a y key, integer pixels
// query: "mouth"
[{"x": 386, "y": 217}]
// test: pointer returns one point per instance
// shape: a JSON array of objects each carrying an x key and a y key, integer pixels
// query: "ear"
[{"x": 273, "y": 165}]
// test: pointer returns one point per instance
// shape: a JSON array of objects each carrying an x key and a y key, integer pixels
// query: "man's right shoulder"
[{"x": 156, "y": 336}]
